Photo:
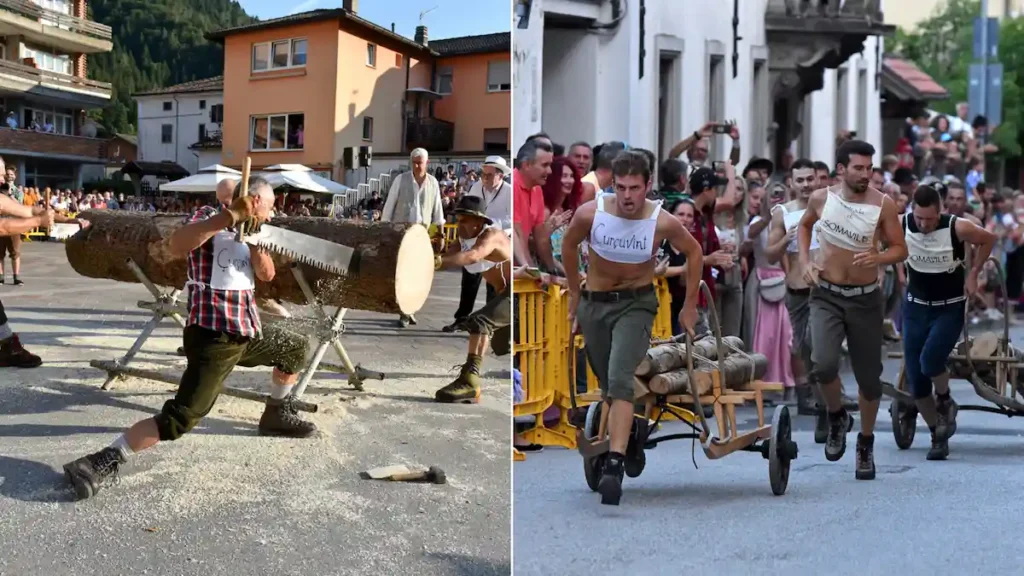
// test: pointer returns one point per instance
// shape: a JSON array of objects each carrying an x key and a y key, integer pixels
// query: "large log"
[
  {"x": 393, "y": 271},
  {"x": 736, "y": 371},
  {"x": 668, "y": 357}
]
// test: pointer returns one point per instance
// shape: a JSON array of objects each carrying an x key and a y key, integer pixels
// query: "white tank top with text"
[
  {"x": 848, "y": 225},
  {"x": 622, "y": 240}
]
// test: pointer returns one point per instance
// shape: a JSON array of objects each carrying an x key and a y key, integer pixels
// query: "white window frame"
[
  {"x": 494, "y": 88},
  {"x": 270, "y": 122},
  {"x": 58, "y": 119},
  {"x": 365, "y": 119},
  {"x": 448, "y": 71},
  {"x": 270, "y": 54},
  {"x": 371, "y": 54}
]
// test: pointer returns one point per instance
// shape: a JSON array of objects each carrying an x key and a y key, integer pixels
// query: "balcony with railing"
[
  {"x": 20, "y": 78},
  {"x": 51, "y": 145},
  {"x": 429, "y": 133},
  {"x": 52, "y": 28}
]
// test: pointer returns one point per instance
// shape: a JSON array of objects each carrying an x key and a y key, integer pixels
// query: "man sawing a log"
[
  {"x": 223, "y": 330},
  {"x": 616, "y": 312},
  {"x": 15, "y": 220},
  {"x": 482, "y": 249}
]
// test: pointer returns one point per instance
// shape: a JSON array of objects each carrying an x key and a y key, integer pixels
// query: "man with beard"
[
  {"x": 933, "y": 315},
  {"x": 616, "y": 311},
  {"x": 845, "y": 300},
  {"x": 785, "y": 221},
  {"x": 955, "y": 202}
]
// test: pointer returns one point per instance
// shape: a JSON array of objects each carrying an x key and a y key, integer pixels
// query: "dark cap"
[
  {"x": 703, "y": 179},
  {"x": 758, "y": 163}
]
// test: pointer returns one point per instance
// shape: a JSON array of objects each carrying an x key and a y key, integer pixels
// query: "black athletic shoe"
[
  {"x": 610, "y": 485},
  {"x": 947, "y": 409},
  {"x": 940, "y": 448},
  {"x": 18, "y": 282},
  {"x": 865, "y": 457},
  {"x": 451, "y": 327},
  {"x": 90, "y": 473},
  {"x": 838, "y": 425}
]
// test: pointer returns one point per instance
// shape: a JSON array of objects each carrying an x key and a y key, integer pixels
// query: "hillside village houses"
[
  {"x": 328, "y": 88},
  {"x": 650, "y": 76}
]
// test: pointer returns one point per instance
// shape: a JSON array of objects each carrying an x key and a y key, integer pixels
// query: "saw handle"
[{"x": 246, "y": 167}]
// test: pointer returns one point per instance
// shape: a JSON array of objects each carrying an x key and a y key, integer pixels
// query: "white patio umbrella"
[
  {"x": 301, "y": 177},
  {"x": 205, "y": 180}
]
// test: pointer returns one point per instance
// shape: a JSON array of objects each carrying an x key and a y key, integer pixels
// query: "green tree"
[
  {"x": 942, "y": 46},
  {"x": 157, "y": 43}
]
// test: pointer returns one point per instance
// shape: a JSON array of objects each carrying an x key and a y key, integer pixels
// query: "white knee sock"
[
  {"x": 5, "y": 331},
  {"x": 122, "y": 445},
  {"x": 280, "y": 392}
]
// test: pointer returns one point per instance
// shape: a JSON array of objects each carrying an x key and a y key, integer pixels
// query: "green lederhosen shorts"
[
  {"x": 616, "y": 328},
  {"x": 211, "y": 358},
  {"x": 494, "y": 320}
]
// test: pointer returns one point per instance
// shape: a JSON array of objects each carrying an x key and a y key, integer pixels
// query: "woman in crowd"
[
  {"x": 673, "y": 268},
  {"x": 772, "y": 332},
  {"x": 563, "y": 191}
]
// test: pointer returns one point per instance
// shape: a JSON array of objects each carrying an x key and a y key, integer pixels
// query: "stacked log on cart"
[{"x": 663, "y": 373}]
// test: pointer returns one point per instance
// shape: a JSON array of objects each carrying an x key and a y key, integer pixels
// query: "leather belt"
[
  {"x": 799, "y": 291},
  {"x": 936, "y": 302},
  {"x": 617, "y": 295},
  {"x": 848, "y": 291}
]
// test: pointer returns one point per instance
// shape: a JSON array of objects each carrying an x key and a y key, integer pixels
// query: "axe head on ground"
[{"x": 405, "y": 474}]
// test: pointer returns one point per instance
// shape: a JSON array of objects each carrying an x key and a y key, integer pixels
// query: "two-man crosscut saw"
[{"x": 316, "y": 252}]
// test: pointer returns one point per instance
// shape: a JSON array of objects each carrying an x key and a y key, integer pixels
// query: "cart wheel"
[
  {"x": 904, "y": 423},
  {"x": 779, "y": 450},
  {"x": 592, "y": 467},
  {"x": 635, "y": 457},
  {"x": 820, "y": 427},
  {"x": 635, "y": 465}
]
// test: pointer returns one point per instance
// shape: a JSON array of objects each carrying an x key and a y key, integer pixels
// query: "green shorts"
[{"x": 617, "y": 329}]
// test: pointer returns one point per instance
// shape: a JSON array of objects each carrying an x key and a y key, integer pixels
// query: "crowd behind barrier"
[{"x": 543, "y": 354}]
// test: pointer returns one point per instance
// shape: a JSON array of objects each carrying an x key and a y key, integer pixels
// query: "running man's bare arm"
[
  {"x": 977, "y": 237},
  {"x": 575, "y": 234},
  {"x": 684, "y": 243},
  {"x": 892, "y": 232}
]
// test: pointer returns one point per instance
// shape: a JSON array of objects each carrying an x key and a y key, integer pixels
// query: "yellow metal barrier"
[
  {"x": 544, "y": 351},
  {"x": 451, "y": 233}
]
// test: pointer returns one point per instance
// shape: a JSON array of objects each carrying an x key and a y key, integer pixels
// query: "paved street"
[
  {"x": 224, "y": 501},
  {"x": 916, "y": 518}
]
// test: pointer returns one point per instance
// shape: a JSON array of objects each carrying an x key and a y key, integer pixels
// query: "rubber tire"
[
  {"x": 593, "y": 467},
  {"x": 904, "y": 424},
  {"x": 778, "y": 462},
  {"x": 635, "y": 466}
]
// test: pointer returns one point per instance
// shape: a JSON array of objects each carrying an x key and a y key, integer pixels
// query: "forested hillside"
[{"x": 157, "y": 43}]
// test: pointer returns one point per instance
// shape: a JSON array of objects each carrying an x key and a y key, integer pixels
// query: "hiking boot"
[
  {"x": 940, "y": 447},
  {"x": 13, "y": 355},
  {"x": 865, "y": 457},
  {"x": 280, "y": 418},
  {"x": 806, "y": 403},
  {"x": 947, "y": 409},
  {"x": 838, "y": 426},
  {"x": 90, "y": 473},
  {"x": 610, "y": 485},
  {"x": 466, "y": 388}
]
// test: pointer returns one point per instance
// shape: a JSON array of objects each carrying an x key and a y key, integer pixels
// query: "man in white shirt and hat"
[
  {"x": 496, "y": 194},
  {"x": 414, "y": 198}
]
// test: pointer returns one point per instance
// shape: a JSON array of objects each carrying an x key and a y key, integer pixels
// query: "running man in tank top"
[
  {"x": 616, "y": 311},
  {"x": 849, "y": 220},
  {"x": 785, "y": 219},
  {"x": 933, "y": 316}
]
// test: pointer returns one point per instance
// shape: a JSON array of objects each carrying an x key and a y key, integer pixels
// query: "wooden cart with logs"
[
  {"x": 993, "y": 366},
  {"x": 713, "y": 371},
  {"x": 394, "y": 273}
]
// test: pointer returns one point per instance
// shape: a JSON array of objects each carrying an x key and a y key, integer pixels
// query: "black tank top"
[{"x": 935, "y": 264}]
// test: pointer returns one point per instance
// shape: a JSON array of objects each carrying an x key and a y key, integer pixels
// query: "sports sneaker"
[
  {"x": 610, "y": 485},
  {"x": 90, "y": 473},
  {"x": 865, "y": 457},
  {"x": 947, "y": 409},
  {"x": 838, "y": 426},
  {"x": 940, "y": 448},
  {"x": 14, "y": 355}
]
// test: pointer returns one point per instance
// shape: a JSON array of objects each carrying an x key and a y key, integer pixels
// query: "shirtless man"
[
  {"x": 618, "y": 307},
  {"x": 486, "y": 250},
  {"x": 785, "y": 219},
  {"x": 15, "y": 220},
  {"x": 851, "y": 218}
]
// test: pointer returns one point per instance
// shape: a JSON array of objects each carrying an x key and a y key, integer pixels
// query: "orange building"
[{"x": 303, "y": 88}]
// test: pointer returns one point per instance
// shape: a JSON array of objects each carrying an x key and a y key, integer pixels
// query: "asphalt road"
[
  {"x": 222, "y": 500},
  {"x": 916, "y": 518}
]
